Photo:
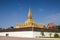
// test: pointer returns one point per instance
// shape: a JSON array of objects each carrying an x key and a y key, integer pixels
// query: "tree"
[
  {"x": 0, "y": 28},
  {"x": 50, "y": 34},
  {"x": 58, "y": 27},
  {"x": 11, "y": 27},
  {"x": 56, "y": 35},
  {"x": 42, "y": 32}
]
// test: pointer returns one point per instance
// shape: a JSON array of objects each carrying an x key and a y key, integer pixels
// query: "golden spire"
[
  {"x": 29, "y": 22},
  {"x": 29, "y": 14}
]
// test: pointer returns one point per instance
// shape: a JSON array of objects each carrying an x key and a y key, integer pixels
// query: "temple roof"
[
  {"x": 29, "y": 22},
  {"x": 29, "y": 14}
]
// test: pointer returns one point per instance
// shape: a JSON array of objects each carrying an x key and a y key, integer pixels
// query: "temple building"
[
  {"x": 30, "y": 22},
  {"x": 50, "y": 25},
  {"x": 30, "y": 29}
]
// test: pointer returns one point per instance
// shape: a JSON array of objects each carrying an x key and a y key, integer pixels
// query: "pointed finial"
[{"x": 29, "y": 14}]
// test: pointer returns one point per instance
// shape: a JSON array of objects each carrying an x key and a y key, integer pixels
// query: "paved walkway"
[{"x": 15, "y": 38}]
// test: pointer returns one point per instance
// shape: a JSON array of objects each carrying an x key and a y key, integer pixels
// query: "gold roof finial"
[{"x": 29, "y": 14}]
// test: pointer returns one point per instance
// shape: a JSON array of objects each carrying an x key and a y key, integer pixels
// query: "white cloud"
[
  {"x": 55, "y": 18},
  {"x": 41, "y": 9}
]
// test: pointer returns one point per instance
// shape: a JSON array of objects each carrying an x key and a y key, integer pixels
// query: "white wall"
[
  {"x": 46, "y": 34},
  {"x": 18, "y": 34},
  {"x": 29, "y": 34}
]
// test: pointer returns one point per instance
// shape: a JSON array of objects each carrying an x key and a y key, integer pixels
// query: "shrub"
[{"x": 56, "y": 35}]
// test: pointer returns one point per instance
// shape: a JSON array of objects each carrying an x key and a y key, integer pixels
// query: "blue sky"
[{"x": 14, "y": 12}]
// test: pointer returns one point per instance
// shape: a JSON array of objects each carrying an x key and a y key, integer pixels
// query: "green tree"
[
  {"x": 0, "y": 28},
  {"x": 50, "y": 34},
  {"x": 11, "y": 27},
  {"x": 56, "y": 35},
  {"x": 42, "y": 32}
]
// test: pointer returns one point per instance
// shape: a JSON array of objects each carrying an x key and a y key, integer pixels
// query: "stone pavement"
[{"x": 16, "y": 38}]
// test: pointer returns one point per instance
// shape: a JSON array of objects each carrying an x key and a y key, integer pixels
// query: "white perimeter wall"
[
  {"x": 29, "y": 34},
  {"x": 46, "y": 34},
  {"x": 18, "y": 34}
]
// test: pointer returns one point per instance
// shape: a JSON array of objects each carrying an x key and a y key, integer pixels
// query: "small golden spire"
[{"x": 29, "y": 14}]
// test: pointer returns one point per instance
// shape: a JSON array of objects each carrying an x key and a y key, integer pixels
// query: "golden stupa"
[{"x": 29, "y": 22}]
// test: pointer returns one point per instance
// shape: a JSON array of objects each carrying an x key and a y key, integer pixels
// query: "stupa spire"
[{"x": 29, "y": 14}]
